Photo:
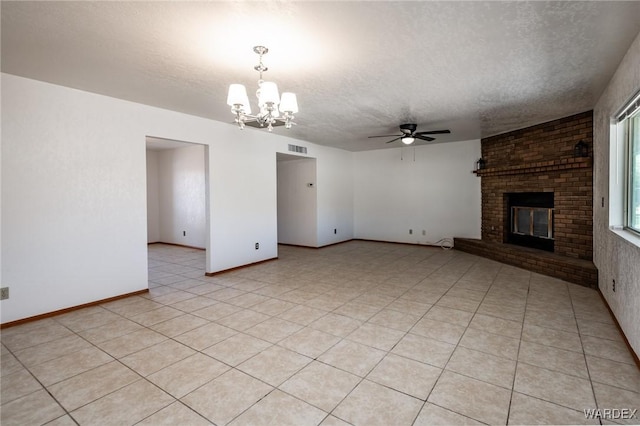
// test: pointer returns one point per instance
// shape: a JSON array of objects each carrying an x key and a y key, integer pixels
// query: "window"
[
  {"x": 629, "y": 119},
  {"x": 634, "y": 173}
]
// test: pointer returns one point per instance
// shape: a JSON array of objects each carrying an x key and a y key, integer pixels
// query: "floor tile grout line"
[
  {"x": 459, "y": 414},
  {"x": 548, "y": 402},
  {"x": 363, "y": 290},
  {"x": 127, "y": 355},
  {"x": 43, "y": 387},
  {"x": 176, "y": 399},
  {"x": 113, "y": 359},
  {"x": 119, "y": 361},
  {"x": 283, "y": 382},
  {"x": 517, "y": 360},
  {"x": 586, "y": 363},
  {"x": 408, "y": 332},
  {"x": 129, "y": 368},
  {"x": 452, "y": 352},
  {"x": 373, "y": 368},
  {"x": 325, "y": 351}
]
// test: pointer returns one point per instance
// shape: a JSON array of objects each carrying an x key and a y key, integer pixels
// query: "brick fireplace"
[{"x": 538, "y": 163}]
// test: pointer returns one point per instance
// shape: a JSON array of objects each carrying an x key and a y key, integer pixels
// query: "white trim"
[
  {"x": 627, "y": 235},
  {"x": 630, "y": 108},
  {"x": 617, "y": 174}
]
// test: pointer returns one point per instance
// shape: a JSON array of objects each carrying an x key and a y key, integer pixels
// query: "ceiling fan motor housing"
[{"x": 408, "y": 129}]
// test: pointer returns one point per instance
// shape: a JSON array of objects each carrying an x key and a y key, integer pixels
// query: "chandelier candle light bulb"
[
  {"x": 289, "y": 103},
  {"x": 237, "y": 95},
  {"x": 268, "y": 101},
  {"x": 268, "y": 93}
]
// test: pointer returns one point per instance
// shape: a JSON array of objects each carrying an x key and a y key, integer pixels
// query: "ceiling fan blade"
[
  {"x": 424, "y": 138},
  {"x": 434, "y": 132},
  {"x": 393, "y": 140},
  {"x": 383, "y": 136}
]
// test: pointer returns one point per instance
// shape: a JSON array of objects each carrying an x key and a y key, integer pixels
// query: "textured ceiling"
[{"x": 358, "y": 68}]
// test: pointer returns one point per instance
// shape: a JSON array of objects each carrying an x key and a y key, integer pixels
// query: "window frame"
[{"x": 629, "y": 118}]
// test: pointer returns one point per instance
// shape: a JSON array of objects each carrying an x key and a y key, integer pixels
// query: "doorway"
[
  {"x": 297, "y": 200},
  {"x": 178, "y": 193}
]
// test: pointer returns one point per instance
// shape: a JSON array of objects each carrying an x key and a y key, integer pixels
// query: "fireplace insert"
[{"x": 530, "y": 219}]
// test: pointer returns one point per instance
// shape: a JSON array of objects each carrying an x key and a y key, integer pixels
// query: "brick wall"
[
  {"x": 577, "y": 271},
  {"x": 540, "y": 159}
]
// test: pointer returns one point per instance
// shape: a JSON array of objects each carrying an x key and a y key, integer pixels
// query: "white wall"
[
  {"x": 334, "y": 171},
  {"x": 74, "y": 198},
  {"x": 437, "y": 193},
  {"x": 616, "y": 253},
  {"x": 74, "y": 193},
  {"x": 297, "y": 202},
  {"x": 153, "y": 198},
  {"x": 1, "y": 182},
  {"x": 182, "y": 196}
]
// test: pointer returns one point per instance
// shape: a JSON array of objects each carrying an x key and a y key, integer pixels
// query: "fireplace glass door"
[{"x": 532, "y": 221}]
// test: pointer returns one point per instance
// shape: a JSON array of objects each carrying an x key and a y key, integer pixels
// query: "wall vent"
[{"x": 299, "y": 149}]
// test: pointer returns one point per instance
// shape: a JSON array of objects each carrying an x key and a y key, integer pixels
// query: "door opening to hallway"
[{"x": 178, "y": 194}]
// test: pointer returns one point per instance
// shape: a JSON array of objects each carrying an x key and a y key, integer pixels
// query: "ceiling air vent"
[{"x": 299, "y": 149}]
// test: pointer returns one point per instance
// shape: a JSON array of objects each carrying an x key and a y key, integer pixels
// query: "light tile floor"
[{"x": 358, "y": 333}]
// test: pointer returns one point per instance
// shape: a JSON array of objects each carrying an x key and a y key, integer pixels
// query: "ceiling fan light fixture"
[
  {"x": 408, "y": 140},
  {"x": 268, "y": 100}
]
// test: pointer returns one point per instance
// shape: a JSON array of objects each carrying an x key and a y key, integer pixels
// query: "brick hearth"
[
  {"x": 576, "y": 271},
  {"x": 541, "y": 159}
]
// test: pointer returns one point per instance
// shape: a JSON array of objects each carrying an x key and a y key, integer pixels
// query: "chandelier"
[{"x": 270, "y": 104}]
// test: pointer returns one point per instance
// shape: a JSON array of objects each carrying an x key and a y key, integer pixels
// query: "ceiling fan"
[{"x": 409, "y": 134}]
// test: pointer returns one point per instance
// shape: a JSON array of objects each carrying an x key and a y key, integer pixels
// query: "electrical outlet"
[
  {"x": 613, "y": 286},
  {"x": 257, "y": 246},
  {"x": 410, "y": 231},
  {"x": 184, "y": 233},
  {"x": 4, "y": 293}
]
